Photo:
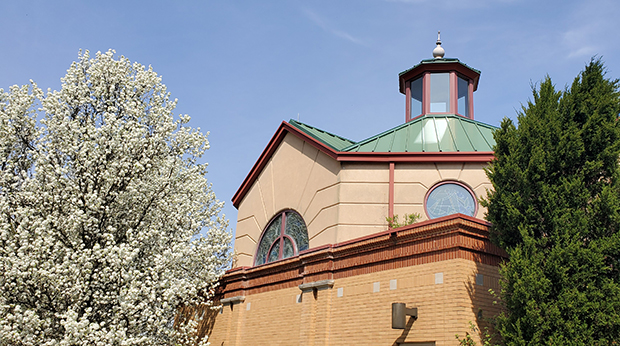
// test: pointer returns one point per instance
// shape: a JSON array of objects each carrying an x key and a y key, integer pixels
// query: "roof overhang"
[
  {"x": 476, "y": 156},
  {"x": 264, "y": 157},
  {"x": 342, "y": 156},
  {"x": 438, "y": 65}
]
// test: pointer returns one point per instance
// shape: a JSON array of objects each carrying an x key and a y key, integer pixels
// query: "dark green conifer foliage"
[{"x": 556, "y": 209}]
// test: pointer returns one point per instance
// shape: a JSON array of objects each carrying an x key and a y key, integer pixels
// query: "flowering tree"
[{"x": 101, "y": 205}]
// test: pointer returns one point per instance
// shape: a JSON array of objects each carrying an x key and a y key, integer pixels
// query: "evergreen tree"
[{"x": 555, "y": 209}]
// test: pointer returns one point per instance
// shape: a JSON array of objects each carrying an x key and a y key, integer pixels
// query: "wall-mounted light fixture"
[{"x": 400, "y": 311}]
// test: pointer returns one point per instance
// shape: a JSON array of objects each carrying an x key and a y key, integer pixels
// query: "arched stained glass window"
[
  {"x": 448, "y": 198},
  {"x": 285, "y": 236}
]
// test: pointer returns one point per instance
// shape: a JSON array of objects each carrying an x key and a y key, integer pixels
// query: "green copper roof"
[
  {"x": 439, "y": 133},
  {"x": 430, "y": 133},
  {"x": 335, "y": 142}
]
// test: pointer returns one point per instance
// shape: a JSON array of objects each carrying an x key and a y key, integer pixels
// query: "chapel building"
[{"x": 317, "y": 261}]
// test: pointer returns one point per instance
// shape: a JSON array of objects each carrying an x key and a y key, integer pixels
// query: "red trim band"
[{"x": 278, "y": 137}]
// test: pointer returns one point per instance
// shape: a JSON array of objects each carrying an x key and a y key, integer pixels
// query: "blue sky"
[{"x": 241, "y": 67}]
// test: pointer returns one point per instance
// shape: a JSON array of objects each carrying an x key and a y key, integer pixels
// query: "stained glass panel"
[
  {"x": 289, "y": 249},
  {"x": 271, "y": 234},
  {"x": 275, "y": 252},
  {"x": 296, "y": 228},
  {"x": 294, "y": 239},
  {"x": 448, "y": 199}
]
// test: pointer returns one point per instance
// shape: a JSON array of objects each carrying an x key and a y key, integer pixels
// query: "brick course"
[{"x": 456, "y": 246}]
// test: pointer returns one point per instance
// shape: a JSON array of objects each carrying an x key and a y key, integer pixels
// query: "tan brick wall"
[
  {"x": 270, "y": 318},
  {"x": 362, "y": 315}
]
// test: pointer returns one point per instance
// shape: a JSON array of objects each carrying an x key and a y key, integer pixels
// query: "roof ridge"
[
  {"x": 364, "y": 141},
  {"x": 291, "y": 121},
  {"x": 304, "y": 128},
  {"x": 417, "y": 120}
]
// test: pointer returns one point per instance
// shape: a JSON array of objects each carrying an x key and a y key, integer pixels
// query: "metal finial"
[{"x": 438, "y": 52}]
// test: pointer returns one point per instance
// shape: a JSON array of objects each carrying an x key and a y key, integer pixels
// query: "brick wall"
[
  {"x": 357, "y": 309},
  {"x": 342, "y": 294}
]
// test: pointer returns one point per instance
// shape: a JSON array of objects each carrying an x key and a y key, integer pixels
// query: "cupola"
[{"x": 439, "y": 86}]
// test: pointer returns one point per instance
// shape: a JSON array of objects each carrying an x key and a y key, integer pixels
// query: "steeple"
[{"x": 439, "y": 86}]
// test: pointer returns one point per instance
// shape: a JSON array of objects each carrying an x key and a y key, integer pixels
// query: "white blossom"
[{"x": 102, "y": 203}]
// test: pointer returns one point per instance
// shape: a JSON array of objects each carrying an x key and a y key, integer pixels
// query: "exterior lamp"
[{"x": 400, "y": 311}]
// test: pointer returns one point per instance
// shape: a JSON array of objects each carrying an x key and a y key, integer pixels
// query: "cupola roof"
[
  {"x": 438, "y": 65},
  {"x": 445, "y": 133}
]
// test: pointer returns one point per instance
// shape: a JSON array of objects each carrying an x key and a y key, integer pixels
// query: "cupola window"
[
  {"x": 440, "y": 92},
  {"x": 416, "y": 96},
  {"x": 463, "y": 97}
]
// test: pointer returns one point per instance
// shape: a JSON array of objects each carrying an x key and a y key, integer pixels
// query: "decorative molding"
[
  {"x": 446, "y": 156},
  {"x": 317, "y": 285},
  {"x": 451, "y": 237},
  {"x": 233, "y": 300},
  {"x": 422, "y": 69}
]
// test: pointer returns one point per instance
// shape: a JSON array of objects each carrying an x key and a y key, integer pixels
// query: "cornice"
[{"x": 454, "y": 236}]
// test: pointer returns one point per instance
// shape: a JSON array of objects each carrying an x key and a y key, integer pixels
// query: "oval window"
[{"x": 450, "y": 198}]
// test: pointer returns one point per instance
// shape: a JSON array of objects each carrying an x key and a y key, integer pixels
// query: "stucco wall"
[
  {"x": 413, "y": 180},
  {"x": 297, "y": 177},
  {"x": 363, "y": 199},
  {"x": 340, "y": 201}
]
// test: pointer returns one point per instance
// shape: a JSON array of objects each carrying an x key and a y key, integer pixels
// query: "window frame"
[
  {"x": 455, "y": 182},
  {"x": 468, "y": 95},
  {"x": 452, "y": 98},
  {"x": 279, "y": 240}
]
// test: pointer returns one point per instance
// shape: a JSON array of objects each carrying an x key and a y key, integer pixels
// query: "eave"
[
  {"x": 273, "y": 144},
  {"x": 342, "y": 156},
  {"x": 438, "y": 66}
]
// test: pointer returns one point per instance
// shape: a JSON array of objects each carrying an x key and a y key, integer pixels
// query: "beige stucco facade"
[
  {"x": 300, "y": 177},
  {"x": 340, "y": 201}
]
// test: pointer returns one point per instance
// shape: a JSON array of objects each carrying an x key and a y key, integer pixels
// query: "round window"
[{"x": 450, "y": 198}]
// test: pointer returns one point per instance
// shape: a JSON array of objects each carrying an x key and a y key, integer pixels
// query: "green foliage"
[
  {"x": 555, "y": 208},
  {"x": 408, "y": 220},
  {"x": 486, "y": 336}
]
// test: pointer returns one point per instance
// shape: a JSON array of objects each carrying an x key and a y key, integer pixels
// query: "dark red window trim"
[
  {"x": 456, "y": 182},
  {"x": 279, "y": 239},
  {"x": 426, "y": 95}
]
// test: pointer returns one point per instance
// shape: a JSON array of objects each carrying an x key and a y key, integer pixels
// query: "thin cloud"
[
  {"x": 579, "y": 42},
  {"x": 456, "y": 4},
  {"x": 408, "y": 1},
  {"x": 316, "y": 19},
  {"x": 594, "y": 31}
]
